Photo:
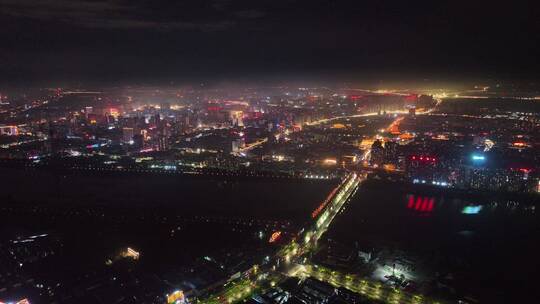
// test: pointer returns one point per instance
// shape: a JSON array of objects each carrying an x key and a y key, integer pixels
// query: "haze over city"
[{"x": 269, "y": 152}]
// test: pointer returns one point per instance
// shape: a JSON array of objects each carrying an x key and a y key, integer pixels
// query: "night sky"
[{"x": 155, "y": 40}]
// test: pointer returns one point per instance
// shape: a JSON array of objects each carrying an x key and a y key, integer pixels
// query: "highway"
[{"x": 318, "y": 122}]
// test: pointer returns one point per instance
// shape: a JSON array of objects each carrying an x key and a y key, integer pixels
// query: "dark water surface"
[
  {"x": 173, "y": 221},
  {"x": 486, "y": 247}
]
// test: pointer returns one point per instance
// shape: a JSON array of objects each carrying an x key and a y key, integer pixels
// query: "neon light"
[
  {"x": 431, "y": 204},
  {"x": 418, "y": 203},
  {"x": 471, "y": 209},
  {"x": 425, "y": 204},
  {"x": 478, "y": 157}
]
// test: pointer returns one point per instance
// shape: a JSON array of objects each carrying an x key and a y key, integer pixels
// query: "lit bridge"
[{"x": 286, "y": 259}]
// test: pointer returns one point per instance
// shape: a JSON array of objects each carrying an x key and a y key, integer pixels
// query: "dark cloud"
[
  {"x": 113, "y": 14},
  {"x": 150, "y": 39}
]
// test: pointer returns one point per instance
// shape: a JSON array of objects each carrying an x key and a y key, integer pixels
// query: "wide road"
[
  {"x": 366, "y": 287},
  {"x": 428, "y": 111}
]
